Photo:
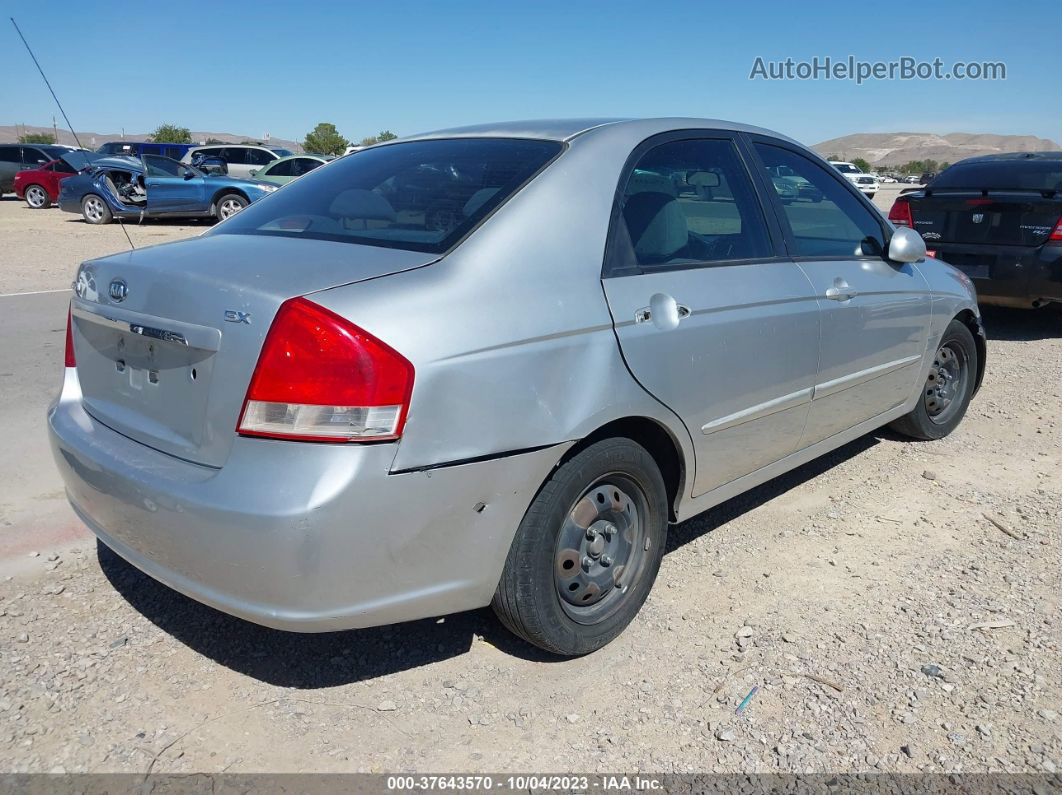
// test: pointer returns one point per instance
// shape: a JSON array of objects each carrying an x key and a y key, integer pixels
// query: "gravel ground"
[{"x": 896, "y": 604}]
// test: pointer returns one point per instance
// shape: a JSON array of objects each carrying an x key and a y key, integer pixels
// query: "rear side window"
[
  {"x": 826, "y": 220},
  {"x": 10, "y": 154},
  {"x": 418, "y": 195},
  {"x": 259, "y": 157},
  {"x": 692, "y": 201},
  {"x": 1039, "y": 175}
]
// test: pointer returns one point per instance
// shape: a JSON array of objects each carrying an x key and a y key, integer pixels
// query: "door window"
[
  {"x": 259, "y": 157},
  {"x": 826, "y": 220},
  {"x": 62, "y": 167},
  {"x": 689, "y": 202},
  {"x": 33, "y": 157},
  {"x": 280, "y": 169},
  {"x": 10, "y": 154},
  {"x": 159, "y": 166},
  {"x": 303, "y": 164},
  {"x": 234, "y": 155}
]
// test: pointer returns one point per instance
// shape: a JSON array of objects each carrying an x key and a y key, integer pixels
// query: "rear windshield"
[
  {"x": 419, "y": 195},
  {"x": 1039, "y": 175}
]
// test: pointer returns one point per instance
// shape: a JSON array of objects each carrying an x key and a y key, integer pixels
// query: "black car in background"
[{"x": 998, "y": 218}]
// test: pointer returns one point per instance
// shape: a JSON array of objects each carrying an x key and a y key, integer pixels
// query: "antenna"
[{"x": 65, "y": 117}]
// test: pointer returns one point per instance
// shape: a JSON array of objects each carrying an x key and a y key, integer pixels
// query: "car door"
[
  {"x": 172, "y": 187},
  {"x": 875, "y": 313},
  {"x": 711, "y": 316},
  {"x": 10, "y": 164}
]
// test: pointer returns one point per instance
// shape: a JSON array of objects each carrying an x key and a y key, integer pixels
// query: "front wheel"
[
  {"x": 230, "y": 204},
  {"x": 587, "y": 551},
  {"x": 95, "y": 210},
  {"x": 37, "y": 197},
  {"x": 948, "y": 388}
]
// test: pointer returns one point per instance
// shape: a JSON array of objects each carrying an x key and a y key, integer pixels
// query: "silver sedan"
[{"x": 491, "y": 365}]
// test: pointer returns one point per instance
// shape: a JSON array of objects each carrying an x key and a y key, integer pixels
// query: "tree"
[
  {"x": 862, "y": 165},
  {"x": 37, "y": 138},
  {"x": 386, "y": 135},
  {"x": 325, "y": 140},
  {"x": 172, "y": 134}
]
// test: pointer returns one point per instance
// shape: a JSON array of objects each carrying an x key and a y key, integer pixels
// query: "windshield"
[
  {"x": 846, "y": 168},
  {"x": 1041, "y": 175},
  {"x": 418, "y": 195}
]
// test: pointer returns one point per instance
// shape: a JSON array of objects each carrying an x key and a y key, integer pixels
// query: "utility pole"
[{"x": 55, "y": 129}]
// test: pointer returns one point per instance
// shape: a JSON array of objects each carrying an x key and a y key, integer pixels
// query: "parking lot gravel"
[{"x": 896, "y": 604}]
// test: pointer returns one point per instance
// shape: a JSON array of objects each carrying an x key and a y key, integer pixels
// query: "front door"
[
  {"x": 711, "y": 316},
  {"x": 875, "y": 313},
  {"x": 172, "y": 187}
]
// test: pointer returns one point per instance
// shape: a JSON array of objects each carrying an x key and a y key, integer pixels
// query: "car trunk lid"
[
  {"x": 996, "y": 218},
  {"x": 167, "y": 338}
]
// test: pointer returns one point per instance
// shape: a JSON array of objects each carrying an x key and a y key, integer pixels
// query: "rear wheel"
[
  {"x": 95, "y": 210},
  {"x": 229, "y": 204},
  {"x": 948, "y": 388},
  {"x": 587, "y": 551},
  {"x": 37, "y": 197}
]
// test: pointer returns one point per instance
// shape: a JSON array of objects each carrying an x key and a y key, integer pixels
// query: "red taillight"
[
  {"x": 321, "y": 378},
  {"x": 900, "y": 214},
  {"x": 1056, "y": 235},
  {"x": 70, "y": 361}
]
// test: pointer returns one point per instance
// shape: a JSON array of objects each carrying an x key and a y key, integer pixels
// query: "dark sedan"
[{"x": 998, "y": 218}]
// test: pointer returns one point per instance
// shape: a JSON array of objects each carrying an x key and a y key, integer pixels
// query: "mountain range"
[
  {"x": 91, "y": 140},
  {"x": 892, "y": 149}
]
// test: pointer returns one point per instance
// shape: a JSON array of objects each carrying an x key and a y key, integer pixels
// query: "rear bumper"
[
  {"x": 303, "y": 537},
  {"x": 1008, "y": 274}
]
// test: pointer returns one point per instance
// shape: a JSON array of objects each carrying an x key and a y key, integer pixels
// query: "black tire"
[
  {"x": 95, "y": 210},
  {"x": 955, "y": 372},
  {"x": 228, "y": 204},
  {"x": 529, "y": 597},
  {"x": 37, "y": 197}
]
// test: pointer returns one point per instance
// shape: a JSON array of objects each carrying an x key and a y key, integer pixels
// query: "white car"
[
  {"x": 241, "y": 159},
  {"x": 867, "y": 184},
  {"x": 885, "y": 179}
]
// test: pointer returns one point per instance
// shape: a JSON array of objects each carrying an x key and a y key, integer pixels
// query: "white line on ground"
[{"x": 34, "y": 292}]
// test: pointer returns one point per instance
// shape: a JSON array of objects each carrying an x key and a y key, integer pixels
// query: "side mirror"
[
  {"x": 906, "y": 245},
  {"x": 188, "y": 174}
]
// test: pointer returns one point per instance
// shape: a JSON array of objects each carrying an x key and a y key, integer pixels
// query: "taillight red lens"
[
  {"x": 320, "y": 377},
  {"x": 70, "y": 360},
  {"x": 900, "y": 214},
  {"x": 1056, "y": 235}
]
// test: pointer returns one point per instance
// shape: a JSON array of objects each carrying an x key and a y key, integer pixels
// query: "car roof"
[
  {"x": 231, "y": 146},
  {"x": 1005, "y": 156},
  {"x": 567, "y": 129}
]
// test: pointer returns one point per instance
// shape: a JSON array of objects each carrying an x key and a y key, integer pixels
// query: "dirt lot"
[{"x": 889, "y": 624}]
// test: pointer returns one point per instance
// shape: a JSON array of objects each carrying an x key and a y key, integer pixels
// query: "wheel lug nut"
[
  {"x": 610, "y": 530},
  {"x": 587, "y": 563},
  {"x": 591, "y": 533},
  {"x": 606, "y": 560}
]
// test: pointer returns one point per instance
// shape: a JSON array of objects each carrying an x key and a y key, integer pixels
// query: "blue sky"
[{"x": 258, "y": 67}]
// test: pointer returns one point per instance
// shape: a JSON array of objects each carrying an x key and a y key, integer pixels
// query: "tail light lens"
[
  {"x": 69, "y": 355},
  {"x": 1056, "y": 235},
  {"x": 900, "y": 214},
  {"x": 321, "y": 378}
]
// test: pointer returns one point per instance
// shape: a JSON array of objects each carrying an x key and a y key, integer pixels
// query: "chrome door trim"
[
  {"x": 760, "y": 410},
  {"x": 861, "y": 376}
]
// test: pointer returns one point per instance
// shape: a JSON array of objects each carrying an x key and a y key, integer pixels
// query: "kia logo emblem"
[{"x": 118, "y": 290}]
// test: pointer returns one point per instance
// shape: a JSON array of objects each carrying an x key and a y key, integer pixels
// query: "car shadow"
[
  {"x": 1022, "y": 325},
  {"x": 310, "y": 661}
]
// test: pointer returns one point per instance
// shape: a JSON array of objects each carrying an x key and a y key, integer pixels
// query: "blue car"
[{"x": 151, "y": 186}]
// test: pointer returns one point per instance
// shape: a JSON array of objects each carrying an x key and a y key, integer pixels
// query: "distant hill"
[
  {"x": 892, "y": 149},
  {"x": 91, "y": 140}
]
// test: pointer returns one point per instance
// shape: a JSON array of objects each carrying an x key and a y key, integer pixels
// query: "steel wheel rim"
[
  {"x": 601, "y": 549},
  {"x": 229, "y": 207},
  {"x": 946, "y": 383},
  {"x": 94, "y": 209},
  {"x": 35, "y": 196}
]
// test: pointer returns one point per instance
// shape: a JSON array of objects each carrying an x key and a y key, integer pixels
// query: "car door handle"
[
  {"x": 663, "y": 311},
  {"x": 840, "y": 291}
]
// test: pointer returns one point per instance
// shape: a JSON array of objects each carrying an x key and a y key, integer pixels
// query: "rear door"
[
  {"x": 712, "y": 318},
  {"x": 172, "y": 187},
  {"x": 10, "y": 164},
  {"x": 875, "y": 313}
]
